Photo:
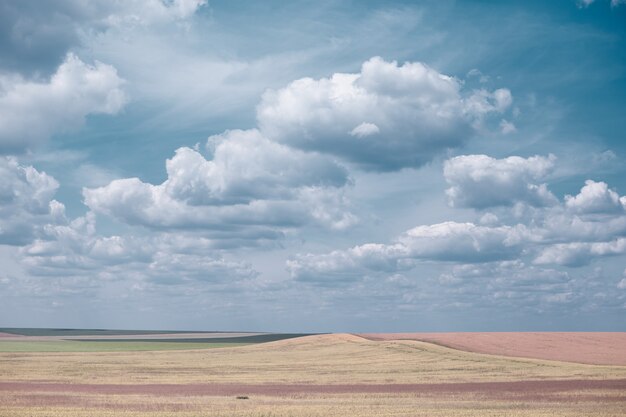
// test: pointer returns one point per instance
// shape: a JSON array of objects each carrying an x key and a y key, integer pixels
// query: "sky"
[{"x": 313, "y": 166}]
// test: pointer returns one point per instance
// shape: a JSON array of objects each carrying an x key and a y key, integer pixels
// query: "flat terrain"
[
  {"x": 320, "y": 375},
  {"x": 581, "y": 347}
]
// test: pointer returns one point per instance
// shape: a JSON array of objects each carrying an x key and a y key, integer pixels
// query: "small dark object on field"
[{"x": 243, "y": 397}]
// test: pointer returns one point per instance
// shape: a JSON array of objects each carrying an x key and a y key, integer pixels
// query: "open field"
[
  {"x": 322, "y": 359},
  {"x": 598, "y": 348},
  {"x": 320, "y": 375},
  {"x": 581, "y": 403}
]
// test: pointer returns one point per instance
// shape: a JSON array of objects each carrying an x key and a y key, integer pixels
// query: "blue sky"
[{"x": 313, "y": 166}]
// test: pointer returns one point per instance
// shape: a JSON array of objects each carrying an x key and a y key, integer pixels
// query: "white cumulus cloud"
[
  {"x": 33, "y": 111},
  {"x": 479, "y": 181},
  {"x": 250, "y": 188},
  {"x": 384, "y": 118},
  {"x": 445, "y": 242},
  {"x": 580, "y": 253},
  {"x": 539, "y": 230},
  {"x": 26, "y": 202},
  {"x": 596, "y": 197}
]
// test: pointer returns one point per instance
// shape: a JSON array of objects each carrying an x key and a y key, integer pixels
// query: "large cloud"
[
  {"x": 33, "y": 111},
  {"x": 36, "y": 35},
  {"x": 384, "y": 118},
  {"x": 447, "y": 242},
  {"x": 252, "y": 188},
  {"x": 479, "y": 181},
  {"x": 246, "y": 166},
  {"x": 26, "y": 202}
]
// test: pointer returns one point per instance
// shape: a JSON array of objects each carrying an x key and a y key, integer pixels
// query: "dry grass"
[
  {"x": 307, "y": 406},
  {"x": 326, "y": 359}
]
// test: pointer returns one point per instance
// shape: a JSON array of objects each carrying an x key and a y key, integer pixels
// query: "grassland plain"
[{"x": 322, "y": 375}]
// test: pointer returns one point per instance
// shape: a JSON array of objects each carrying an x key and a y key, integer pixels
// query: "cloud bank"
[{"x": 572, "y": 233}]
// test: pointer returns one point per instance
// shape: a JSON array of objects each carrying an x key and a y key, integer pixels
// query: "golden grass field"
[{"x": 92, "y": 383}]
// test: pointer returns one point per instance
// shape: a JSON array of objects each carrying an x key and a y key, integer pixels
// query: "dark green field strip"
[
  {"x": 91, "y": 346},
  {"x": 261, "y": 338},
  {"x": 92, "y": 332}
]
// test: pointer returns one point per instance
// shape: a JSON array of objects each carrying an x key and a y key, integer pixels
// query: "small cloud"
[
  {"x": 365, "y": 129},
  {"x": 587, "y": 3},
  {"x": 622, "y": 284},
  {"x": 603, "y": 157},
  {"x": 596, "y": 197},
  {"x": 489, "y": 219},
  {"x": 560, "y": 298},
  {"x": 185, "y": 8},
  {"x": 507, "y": 127},
  {"x": 482, "y": 78},
  {"x": 449, "y": 279},
  {"x": 90, "y": 175}
]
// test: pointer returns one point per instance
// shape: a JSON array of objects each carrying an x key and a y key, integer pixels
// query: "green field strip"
[
  {"x": 91, "y": 332},
  {"x": 113, "y": 346},
  {"x": 260, "y": 338}
]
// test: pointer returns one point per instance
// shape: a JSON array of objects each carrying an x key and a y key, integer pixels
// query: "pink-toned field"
[
  {"x": 518, "y": 398},
  {"x": 549, "y": 390},
  {"x": 597, "y": 348}
]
